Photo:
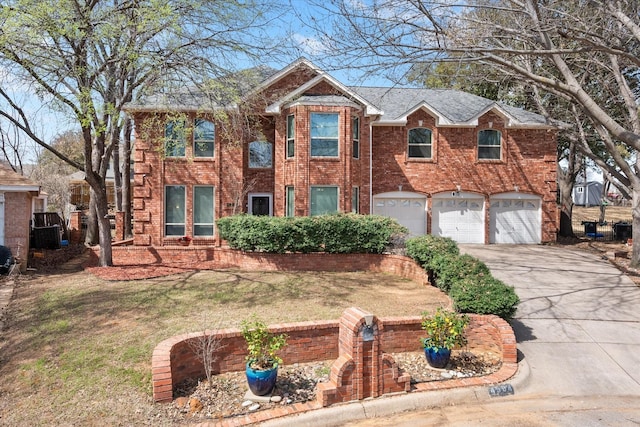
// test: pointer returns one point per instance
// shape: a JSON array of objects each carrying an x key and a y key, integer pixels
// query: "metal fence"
[{"x": 606, "y": 231}]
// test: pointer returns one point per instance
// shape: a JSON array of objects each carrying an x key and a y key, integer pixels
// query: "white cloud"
[{"x": 310, "y": 45}]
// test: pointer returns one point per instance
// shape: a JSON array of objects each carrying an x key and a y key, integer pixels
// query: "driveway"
[
  {"x": 578, "y": 322},
  {"x": 578, "y": 333}
]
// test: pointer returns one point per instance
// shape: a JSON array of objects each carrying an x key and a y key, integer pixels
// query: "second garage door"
[
  {"x": 460, "y": 217},
  {"x": 515, "y": 219}
]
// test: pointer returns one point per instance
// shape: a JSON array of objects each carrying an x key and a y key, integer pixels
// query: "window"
[
  {"x": 203, "y": 211},
  {"x": 324, "y": 134},
  {"x": 356, "y": 137},
  {"x": 355, "y": 200},
  {"x": 204, "y": 136},
  {"x": 420, "y": 143},
  {"x": 260, "y": 154},
  {"x": 489, "y": 145},
  {"x": 579, "y": 190},
  {"x": 290, "y": 201},
  {"x": 291, "y": 136},
  {"x": 174, "y": 138},
  {"x": 174, "y": 206},
  {"x": 324, "y": 200}
]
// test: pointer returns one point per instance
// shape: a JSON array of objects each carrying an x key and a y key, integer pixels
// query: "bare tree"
[
  {"x": 207, "y": 345},
  {"x": 89, "y": 58},
  {"x": 584, "y": 53}
]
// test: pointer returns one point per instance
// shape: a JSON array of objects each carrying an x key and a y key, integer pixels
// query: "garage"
[
  {"x": 515, "y": 219},
  {"x": 409, "y": 209},
  {"x": 459, "y": 216}
]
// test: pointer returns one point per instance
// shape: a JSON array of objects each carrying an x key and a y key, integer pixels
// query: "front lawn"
[{"x": 76, "y": 350}]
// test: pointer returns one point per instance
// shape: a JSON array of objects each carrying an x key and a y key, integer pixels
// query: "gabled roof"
[
  {"x": 449, "y": 107},
  {"x": 348, "y": 94},
  {"x": 387, "y": 106},
  {"x": 11, "y": 181}
]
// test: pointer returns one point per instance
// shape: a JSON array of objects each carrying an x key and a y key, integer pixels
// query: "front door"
[{"x": 260, "y": 204}]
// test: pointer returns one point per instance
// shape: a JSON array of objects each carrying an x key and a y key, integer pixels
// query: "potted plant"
[
  {"x": 445, "y": 330},
  {"x": 262, "y": 359},
  {"x": 184, "y": 240}
]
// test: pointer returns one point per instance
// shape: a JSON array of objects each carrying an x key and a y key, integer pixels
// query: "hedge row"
[
  {"x": 466, "y": 279},
  {"x": 339, "y": 233}
]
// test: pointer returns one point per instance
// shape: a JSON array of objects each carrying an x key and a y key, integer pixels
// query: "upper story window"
[
  {"x": 204, "y": 135},
  {"x": 291, "y": 136},
  {"x": 420, "y": 143},
  {"x": 174, "y": 138},
  {"x": 324, "y": 134},
  {"x": 489, "y": 145},
  {"x": 260, "y": 154},
  {"x": 355, "y": 125}
]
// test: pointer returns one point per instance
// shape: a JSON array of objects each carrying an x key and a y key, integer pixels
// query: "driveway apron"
[{"x": 578, "y": 322}]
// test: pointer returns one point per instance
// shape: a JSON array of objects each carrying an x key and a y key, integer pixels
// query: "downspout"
[{"x": 370, "y": 168}]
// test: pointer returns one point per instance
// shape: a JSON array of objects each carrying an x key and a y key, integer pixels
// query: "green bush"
[
  {"x": 340, "y": 233},
  {"x": 449, "y": 269},
  {"x": 424, "y": 249},
  {"x": 484, "y": 295}
]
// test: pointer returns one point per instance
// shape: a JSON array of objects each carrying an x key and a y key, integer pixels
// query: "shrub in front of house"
[
  {"x": 464, "y": 278},
  {"x": 425, "y": 249},
  {"x": 449, "y": 269},
  {"x": 484, "y": 295},
  {"x": 339, "y": 233}
]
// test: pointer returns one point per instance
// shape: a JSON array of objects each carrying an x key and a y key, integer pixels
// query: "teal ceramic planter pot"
[{"x": 261, "y": 382}]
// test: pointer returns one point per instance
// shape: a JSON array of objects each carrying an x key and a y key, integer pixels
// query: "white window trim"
[
  {"x": 193, "y": 213},
  {"x": 326, "y": 186},
  {"x": 410, "y": 144},
  {"x": 250, "y": 197},
  {"x": 337, "y": 156}
]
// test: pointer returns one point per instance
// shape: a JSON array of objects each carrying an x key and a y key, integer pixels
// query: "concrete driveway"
[
  {"x": 578, "y": 333},
  {"x": 578, "y": 322}
]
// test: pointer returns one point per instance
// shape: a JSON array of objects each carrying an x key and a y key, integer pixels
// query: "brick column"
[{"x": 75, "y": 227}]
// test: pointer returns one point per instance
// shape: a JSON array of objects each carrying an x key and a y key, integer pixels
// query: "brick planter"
[{"x": 363, "y": 366}]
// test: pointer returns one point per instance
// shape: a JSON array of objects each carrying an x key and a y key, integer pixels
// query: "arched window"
[
  {"x": 489, "y": 145},
  {"x": 420, "y": 143},
  {"x": 260, "y": 154}
]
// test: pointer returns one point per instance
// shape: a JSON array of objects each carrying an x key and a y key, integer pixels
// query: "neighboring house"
[
  {"x": 587, "y": 193},
  {"x": 440, "y": 161},
  {"x": 19, "y": 199}
]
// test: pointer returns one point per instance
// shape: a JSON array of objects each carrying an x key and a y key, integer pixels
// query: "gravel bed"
[{"x": 226, "y": 396}]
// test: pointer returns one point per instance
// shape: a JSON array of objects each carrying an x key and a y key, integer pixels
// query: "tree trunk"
[
  {"x": 104, "y": 228},
  {"x": 91, "y": 238},
  {"x": 126, "y": 180},
  {"x": 566, "y": 208}
]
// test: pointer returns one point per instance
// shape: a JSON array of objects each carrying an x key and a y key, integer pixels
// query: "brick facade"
[{"x": 527, "y": 163}]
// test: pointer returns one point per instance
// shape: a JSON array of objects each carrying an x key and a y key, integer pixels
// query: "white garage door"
[
  {"x": 515, "y": 220},
  {"x": 460, "y": 218},
  {"x": 409, "y": 209}
]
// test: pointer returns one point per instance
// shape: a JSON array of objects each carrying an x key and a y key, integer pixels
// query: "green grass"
[{"x": 77, "y": 349}]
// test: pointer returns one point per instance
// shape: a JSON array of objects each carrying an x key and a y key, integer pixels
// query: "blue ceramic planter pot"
[
  {"x": 261, "y": 382},
  {"x": 437, "y": 357}
]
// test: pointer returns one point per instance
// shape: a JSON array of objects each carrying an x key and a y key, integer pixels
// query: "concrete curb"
[{"x": 389, "y": 405}]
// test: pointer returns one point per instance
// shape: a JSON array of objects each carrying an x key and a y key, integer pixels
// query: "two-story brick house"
[{"x": 443, "y": 162}]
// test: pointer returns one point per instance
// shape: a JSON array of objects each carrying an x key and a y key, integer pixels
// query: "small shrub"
[
  {"x": 424, "y": 249},
  {"x": 449, "y": 269},
  {"x": 484, "y": 295},
  {"x": 445, "y": 329},
  {"x": 262, "y": 345}
]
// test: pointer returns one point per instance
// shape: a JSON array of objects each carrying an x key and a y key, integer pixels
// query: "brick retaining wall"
[
  {"x": 215, "y": 258},
  {"x": 173, "y": 360}
]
